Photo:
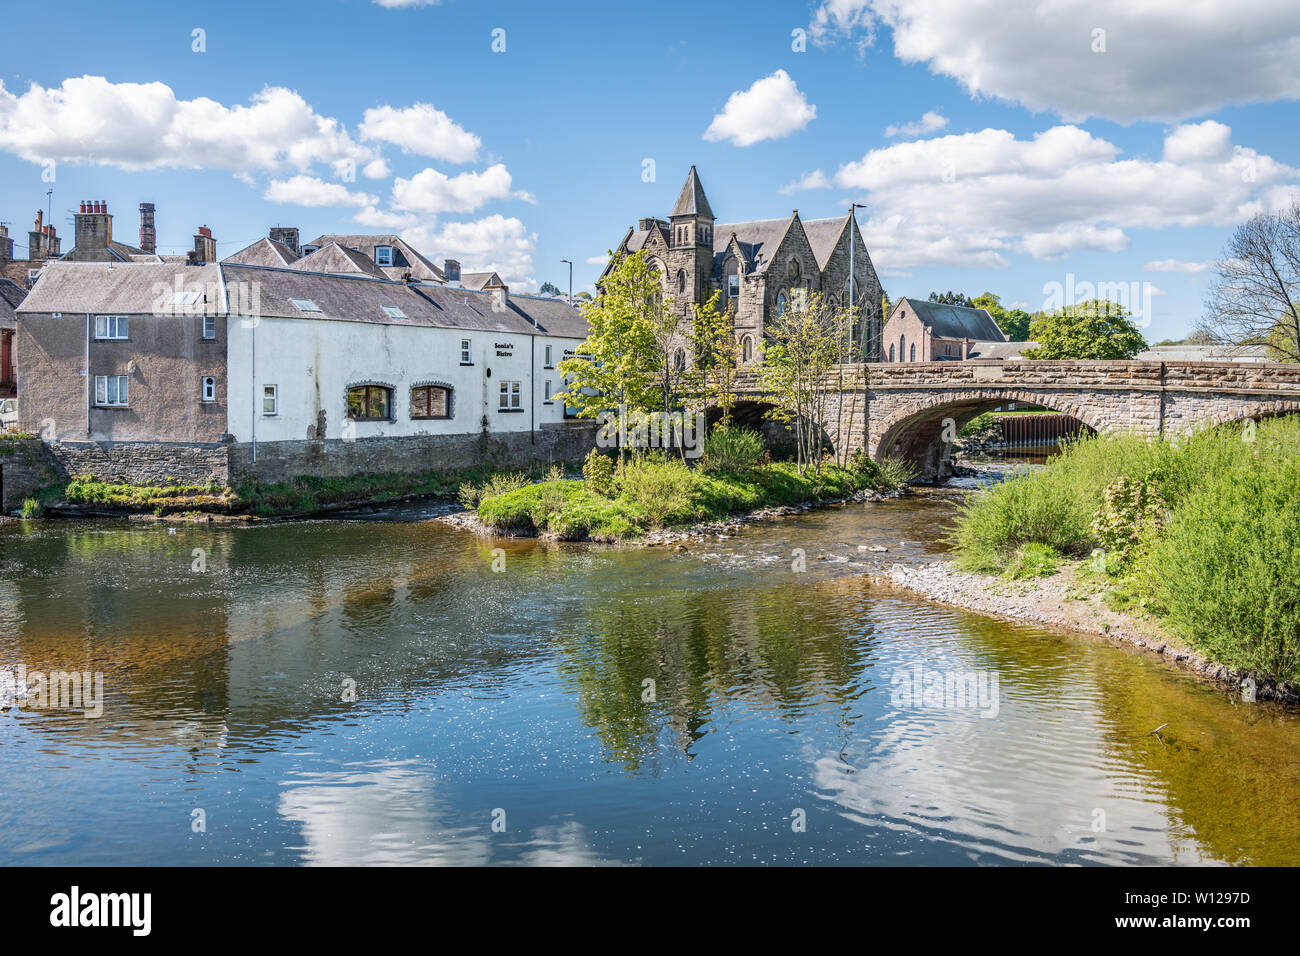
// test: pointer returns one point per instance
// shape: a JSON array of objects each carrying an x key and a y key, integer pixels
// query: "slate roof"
[
  {"x": 418, "y": 265},
  {"x": 758, "y": 239},
  {"x": 692, "y": 201},
  {"x": 999, "y": 350},
  {"x": 123, "y": 288},
  {"x": 11, "y": 296},
  {"x": 264, "y": 252},
  {"x": 956, "y": 321},
  {"x": 339, "y": 260},
  {"x": 479, "y": 280}
]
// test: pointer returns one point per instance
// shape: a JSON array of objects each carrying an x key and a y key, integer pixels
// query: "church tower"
[{"x": 690, "y": 244}]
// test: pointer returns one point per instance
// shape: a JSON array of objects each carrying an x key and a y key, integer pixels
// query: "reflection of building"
[
  {"x": 757, "y": 267},
  {"x": 922, "y": 331}
]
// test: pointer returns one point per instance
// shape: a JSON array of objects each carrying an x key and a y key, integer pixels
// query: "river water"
[{"x": 370, "y": 690}]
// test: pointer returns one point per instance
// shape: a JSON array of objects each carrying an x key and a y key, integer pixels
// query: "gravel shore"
[{"x": 1059, "y": 602}]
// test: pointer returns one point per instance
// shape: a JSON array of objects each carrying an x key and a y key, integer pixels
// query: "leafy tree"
[
  {"x": 617, "y": 366},
  {"x": 1096, "y": 329},
  {"x": 584, "y": 295},
  {"x": 950, "y": 298},
  {"x": 717, "y": 351},
  {"x": 550, "y": 288},
  {"x": 1014, "y": 322}
]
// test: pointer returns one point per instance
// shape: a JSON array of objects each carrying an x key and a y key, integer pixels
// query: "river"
[{"x": 368, "y": 689}]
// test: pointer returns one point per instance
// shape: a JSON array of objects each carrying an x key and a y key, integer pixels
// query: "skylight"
[
  {"x": 394, "y": 312},
  {"x": 305, "y": 305}
]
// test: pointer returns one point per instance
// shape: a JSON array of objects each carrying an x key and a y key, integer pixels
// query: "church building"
[{"x": 758, "y": 266}]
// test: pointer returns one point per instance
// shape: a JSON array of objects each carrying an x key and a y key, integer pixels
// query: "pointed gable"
[{"x": 692, "y": 201}]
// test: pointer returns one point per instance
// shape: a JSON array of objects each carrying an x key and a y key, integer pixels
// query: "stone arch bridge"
[{"x": 900, "y": 409}]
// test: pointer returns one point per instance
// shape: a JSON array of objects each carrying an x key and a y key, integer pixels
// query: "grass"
[
  {"x": 649, "y": 493},
  {"x": 1218, "y": 563}
]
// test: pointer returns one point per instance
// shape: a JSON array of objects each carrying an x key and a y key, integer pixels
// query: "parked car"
[{"x": 8, "y": 414}]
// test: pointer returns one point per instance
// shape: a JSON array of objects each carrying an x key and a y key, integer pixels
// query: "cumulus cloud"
[
  {"x": 137, "y": 126},
  {"x": 1153, "y": 59},
  {"x": 494, "y": 243},
  {"x": 310, "y": 191},
  {"x": 431, "y": 192},
  {"x": 421, "y": 129},
  {"x": 930, "y": 122},
  {"x": 771, "y": 108},
  {"x": 1176, "y": 265},
  {"x": 600, "y": 260},
  {"x": 973, "y": 199},
  {"x": 814, "y": 180}
]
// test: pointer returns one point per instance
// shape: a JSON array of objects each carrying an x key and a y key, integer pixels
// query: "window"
[
  {"x": 370, "y": 403},
  {"x": 209, "y": 391},
  {"x": 912, "y": 354},
  {"x": 383, "y": 255},
  {"x": 308, "y": 250},
  {"x": 512, "y": 397},
  {"x": 733, "y": 285},
  {"x": 746, "y": 349},
  {"x": 782, "y": 303},
  {"x": 209, "y": 326},
  {"x": 549, "y": 353},
  {"x": 793, "y": 269},
  {"x": 393, "y": 312},
  {"x": 681, "y": 280},
  {"x": 679, "y": 360},
  {"x": 891, "y": 353},
  {"x": 270, "y": 399},
  {"x": 547, "y": 394},
  {"x": 466, "y": 352},
  {"x": 430, "y": 401},
  {"x": 902, "y": 348},
  {"x": 111, "y": 390},
  {"x": 305, "y": 305},
  {"x": 110, "y": 326}
]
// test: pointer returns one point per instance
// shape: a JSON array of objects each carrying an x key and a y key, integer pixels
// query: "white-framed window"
[
  {"x": 466, "y": 352},
  {"x": 383, "y": 255},
  {"x": 305, "y": 305},
  {"x": 548, "y": 396},
  {"x": 111, "y": 327},
  {"x": 550, "y": 349},
  {"x": 111, "y": 390},
  {"x": 393, "y": 312},
  {"x": 209, "y": 389},
  {"x": 270, "y": 399},
  {"x": 209, "y": 327},
  {"x": 733, "y": 285},
  {"x": 511, "y": 397}
]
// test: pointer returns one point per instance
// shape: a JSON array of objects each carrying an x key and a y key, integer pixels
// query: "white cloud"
[
  {"x": 310, "y": 191},
  {"x": 601, "y": 260},
  {"x": 377, "y": 218},
  {"x": 771, "y": 108},
  {"x": 1162, "y": 60},
  {"x": 1176, "y": 265},
  {"x": 973, "y": 199},
  {"x": 138, "y": 126},
  {"x": 432, "y": 192},
  {"x": 814, "y": 180},
  {"x": 377, "y": 169},
  {"x": 493, "y": 243},
  {"x": 930, "y": 122},
  {"x": 422, "y": 130}
]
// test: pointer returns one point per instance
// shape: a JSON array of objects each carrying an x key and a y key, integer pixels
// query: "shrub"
[
  {"x": 470, "y": 494},
  {"x": 660, "y": 489},
  {"x": 732, "y": 449},
  {"x": 895, "y": 472},
  {"x": 32, "y": 508},
  {"x": 1033, "y": 560},
  {"x": 598, "y": 473},
  {"x": 1130, "y": 516}
]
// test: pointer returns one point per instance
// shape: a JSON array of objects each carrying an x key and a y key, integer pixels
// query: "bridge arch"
[
  {"x": 1254, "y": 411},
  {"x": 915, "y": 433}
]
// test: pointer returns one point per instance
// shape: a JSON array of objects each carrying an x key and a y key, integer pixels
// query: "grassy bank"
[
  {"x": 1203, "y": 535},
  {"x": 612, "y": 503}
]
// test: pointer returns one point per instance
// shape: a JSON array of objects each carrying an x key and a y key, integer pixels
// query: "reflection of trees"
[{"x": 705, "y": 650}]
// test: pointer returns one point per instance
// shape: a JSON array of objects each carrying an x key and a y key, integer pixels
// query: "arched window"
[
  {"x": 891, "y": 353},
  {"x": 679, "y": 360},
  {"x": 782, "y": 303},
  {"x": 912, "y": 354},
  {"x": 793, "y": 269},
  {"x": 430, "y": 401},
  {"x": 902, "y": 348},
  {"x": 747, "y": 349},
  {"x": 681, "y": 280},
  {"x": 370, "y": 403}
]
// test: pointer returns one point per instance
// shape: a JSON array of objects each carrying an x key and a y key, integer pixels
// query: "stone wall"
[
  {"x": 337, "y": 458},
  {"x": 26, "y": 466},
  {"x": 142, "y": 463}
]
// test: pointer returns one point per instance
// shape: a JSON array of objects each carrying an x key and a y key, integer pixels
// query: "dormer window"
[
  {"x": 308, "y": 250},
  {"x": 383, "y": 255},
  {"x": 305, "y": 305}
]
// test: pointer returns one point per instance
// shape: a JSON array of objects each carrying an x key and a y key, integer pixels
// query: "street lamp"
[
  {"x": 570, "y": 262},
  {"x": 853, "y": 301}
]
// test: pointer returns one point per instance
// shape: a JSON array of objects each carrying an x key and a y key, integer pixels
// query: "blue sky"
[{"x": 1051, "y": 151}]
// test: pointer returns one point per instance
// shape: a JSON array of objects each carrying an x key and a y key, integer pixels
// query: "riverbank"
[{"x": 1068, "y": 600}]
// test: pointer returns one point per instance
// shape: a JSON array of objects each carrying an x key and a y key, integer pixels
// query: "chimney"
[
  {"x": 286, "y": 235},
  {"x": 93, "y": 230},
  {"x": 500, "y": 297},
  {"x": 205, "y": 247},
  {"x": 451, "y": 269},
  {"x": 965, "y": 349},
  {"x": 148, "y": 236},
  {"x": 6, "y": 244}
]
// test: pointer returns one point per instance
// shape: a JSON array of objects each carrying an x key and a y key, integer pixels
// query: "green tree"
[
  {"x": 1096, "y": 329},
  {"x": 1014, "y": 322},
  {"x": 717, "y": 357},
  {"x": 950, "y": 298},
  {"x": 550, "y": 288},
  {"x": 616, "y": 368}
]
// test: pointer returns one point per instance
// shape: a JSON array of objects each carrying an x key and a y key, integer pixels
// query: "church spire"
[{"x": 692, "y": 201}]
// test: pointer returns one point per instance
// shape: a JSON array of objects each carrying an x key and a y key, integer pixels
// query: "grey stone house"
[{"x": 757, "y": 266}]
